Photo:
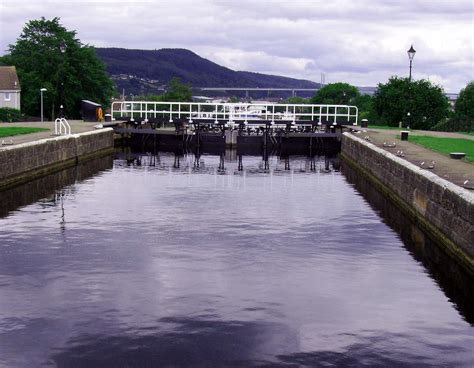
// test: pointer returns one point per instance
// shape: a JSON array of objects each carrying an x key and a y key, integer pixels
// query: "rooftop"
[{"x": 8, "y": 78}]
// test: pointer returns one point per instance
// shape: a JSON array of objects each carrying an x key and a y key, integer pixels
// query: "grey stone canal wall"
[
  {"x": 442, "y": 209},
  {"x": 23, "y": 162}
]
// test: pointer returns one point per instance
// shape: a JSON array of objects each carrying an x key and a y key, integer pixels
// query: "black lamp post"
[
  {"x": 411, "y": 54},
  {"x": 62, "y": 48}
]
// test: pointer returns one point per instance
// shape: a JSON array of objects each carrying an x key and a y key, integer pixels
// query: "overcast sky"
[{"x": 362, "y": 42}]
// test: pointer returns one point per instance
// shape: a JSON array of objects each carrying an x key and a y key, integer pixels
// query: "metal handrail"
[
  {"x": 61, "y": 124},
  {"x": 235, "y": 112}
]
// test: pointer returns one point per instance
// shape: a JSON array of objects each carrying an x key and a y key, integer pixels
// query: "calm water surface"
[{"x": 150, "y": 264}]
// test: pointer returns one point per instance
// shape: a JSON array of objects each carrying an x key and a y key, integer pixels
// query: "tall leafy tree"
[
  {"x": 464, "y": 106},
  {"x": 69, "y": 76},
  {"x": 337, "y": 94},
  {"x": 425, "y": 102},
  {"x": 463, "y": 116},
  {"x": 365, "y": 104}
]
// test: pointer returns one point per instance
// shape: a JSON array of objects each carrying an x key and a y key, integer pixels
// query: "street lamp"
[
  {"x": 62, "y": 48},
  {"x": 411, "y": 54},
  {"x": 41, "y": 92}
]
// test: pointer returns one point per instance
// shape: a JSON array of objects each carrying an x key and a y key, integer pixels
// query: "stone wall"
[
  {"x": 27, "y": 161},
  {"x": 443, "y": 209}
]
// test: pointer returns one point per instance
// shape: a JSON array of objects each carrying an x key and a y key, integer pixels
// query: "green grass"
[
  {"x": 11, "y": 131},
  {"x": 467, "y": 133},
  {"x": 446, "y": 145}
]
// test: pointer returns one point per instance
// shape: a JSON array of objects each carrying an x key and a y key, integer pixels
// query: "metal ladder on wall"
[{"x": 61, "y": 125}]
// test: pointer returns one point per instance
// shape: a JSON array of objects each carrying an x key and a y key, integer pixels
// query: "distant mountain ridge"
[{"x": 146, "y": 71}]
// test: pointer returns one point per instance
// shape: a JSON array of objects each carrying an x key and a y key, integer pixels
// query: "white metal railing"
[
  {"x": 60, "y": 125},
  {"x": 235, "y": 112}
]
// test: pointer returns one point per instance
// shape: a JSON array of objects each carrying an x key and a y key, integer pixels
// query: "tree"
[
  {"x": 296, "y": 100},
  {"x": 425, "y": 102},
  {"x": 464, "y": 106},
  {"x": 69, "y": 77},
  {"x": 365, "y": 104},
  {"x": 337, "y": 94},
  {"x": 177, "y": 92},
  {"x": 463, "y": 116}
]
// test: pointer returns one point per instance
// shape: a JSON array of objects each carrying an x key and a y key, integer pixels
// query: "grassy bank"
[
  {"x": 446, "y": 145},
  {"x": 12, "y": 131}
]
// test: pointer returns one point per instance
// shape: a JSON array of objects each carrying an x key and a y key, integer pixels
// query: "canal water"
[{"x": 145, "y": 260}]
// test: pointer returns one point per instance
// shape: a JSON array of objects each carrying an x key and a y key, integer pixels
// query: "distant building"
[{"x": 9, "y": 87}]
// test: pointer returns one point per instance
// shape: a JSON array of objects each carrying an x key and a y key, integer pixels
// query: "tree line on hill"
[{"x": 47, "y": 55}]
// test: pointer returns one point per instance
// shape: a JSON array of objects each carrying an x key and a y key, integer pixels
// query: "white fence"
[{"x": 233, "y": 113}]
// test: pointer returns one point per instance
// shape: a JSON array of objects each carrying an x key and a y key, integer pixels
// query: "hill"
[{"x": 147, "y": 71}]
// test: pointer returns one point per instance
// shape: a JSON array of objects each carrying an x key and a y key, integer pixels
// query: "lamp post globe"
[{"x": 411, "y": 54}]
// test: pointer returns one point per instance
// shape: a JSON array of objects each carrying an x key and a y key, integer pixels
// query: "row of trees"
[{"x": 418, "y": 104}]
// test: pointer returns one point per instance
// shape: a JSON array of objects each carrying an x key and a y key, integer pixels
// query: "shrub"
[{"x": 9, "y": 115}]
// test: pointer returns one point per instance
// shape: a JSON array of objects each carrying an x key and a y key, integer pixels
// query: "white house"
[{"x": 9, "y": 87}]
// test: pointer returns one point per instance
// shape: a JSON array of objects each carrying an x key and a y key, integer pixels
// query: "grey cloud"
[{"x": 351, "y": 40}]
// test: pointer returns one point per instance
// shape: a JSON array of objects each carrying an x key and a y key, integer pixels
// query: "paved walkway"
[
  {"x": 77, "y": 126},
  {"x": 455, "y": 171}
]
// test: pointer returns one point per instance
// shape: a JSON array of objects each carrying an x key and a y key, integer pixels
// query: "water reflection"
[
  {"x": 227, "y": 259},
  {"x": 48, "y": 188},
  {"x": 184, "y": 342},
  {"x": 195, "y": 342},
  {"x": 229, "y": 161},
  {"x": 455, "y": 281}
]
